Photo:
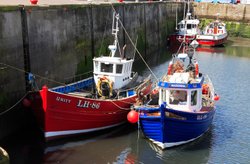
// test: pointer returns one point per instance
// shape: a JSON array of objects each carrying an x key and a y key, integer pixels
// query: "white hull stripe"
[
  {"x": 171, "y": 144},
  {"x": 69, "y": 132}
]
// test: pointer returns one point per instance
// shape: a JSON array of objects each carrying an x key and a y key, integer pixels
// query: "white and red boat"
[
  {"x": 70, "y": 109},
  {"x": 213, "y": 35},
  {"x": 187, "y": 27}
]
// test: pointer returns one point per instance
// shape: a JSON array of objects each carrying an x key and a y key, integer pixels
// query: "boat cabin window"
[
  {"x": 181, "y": 26},
  {"x": 178, "y": 97},
  {"x": 163, "y": 94},
  {"x": 189, "y": 26},
  {"x": 96, "y": 66},
  {"x": 194, "y": 97},
  {"x": 107, "y": 68},
  {"x": 119, "y": 68}
]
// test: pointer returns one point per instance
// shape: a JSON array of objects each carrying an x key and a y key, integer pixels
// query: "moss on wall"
[
  {"x": 8, "y": 8},
  {"x": 141, "y": 41},
  {"x": 83, "y": 67},
  {"x": 102, "y": 49},
  {"x": 238, "y": 29},
  {"x": 3, "y": 101},
  {"x": 168, "y": 27},
  {"x": 82, "y": 45}
]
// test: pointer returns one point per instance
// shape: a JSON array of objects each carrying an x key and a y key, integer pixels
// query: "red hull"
[
  {"x": 176, "y": 40},
  {"x": 211, "y": 42},
  {"x": 64, "y": 114}
]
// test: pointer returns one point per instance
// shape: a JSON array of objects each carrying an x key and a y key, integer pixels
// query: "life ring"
[
  {"x": 205, "y": 88},
  {"x": 220, "y": 31},
  {"x": 99, "y": 87},
  {"x": 178, "y": 67},
  {"x": 170, "y": 66},
  {"x": 210, "y": 31},
  {"x": 196, "y": 70},
  {"x": 155, "y": 91}
]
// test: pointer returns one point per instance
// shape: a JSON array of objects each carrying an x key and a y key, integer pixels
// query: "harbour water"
[{"x": 227, "y": 141}]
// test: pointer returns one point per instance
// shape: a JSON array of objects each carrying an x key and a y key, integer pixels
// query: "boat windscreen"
[{"x": 106, "y": 68}]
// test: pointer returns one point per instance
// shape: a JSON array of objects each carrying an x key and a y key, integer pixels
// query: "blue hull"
[{"x": 171, "y": 128}]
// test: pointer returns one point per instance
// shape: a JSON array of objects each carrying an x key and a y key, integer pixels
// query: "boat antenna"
[
  {"x": 184, "y": 14},
  {"x": 217, "y": 16},
  {"x": 176, "y": 15},
  {"x": 188, "y": 10},
  {"x": 134, "y": 45},
  {"x": 115, "y": 29},
  {"x": 103, "y": 38}
]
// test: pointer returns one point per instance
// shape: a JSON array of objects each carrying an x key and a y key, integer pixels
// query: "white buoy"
[{"x": 4, "y": 157}]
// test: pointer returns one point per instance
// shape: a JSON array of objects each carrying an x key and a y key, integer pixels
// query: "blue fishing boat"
[{"x": 184, "y": 106}]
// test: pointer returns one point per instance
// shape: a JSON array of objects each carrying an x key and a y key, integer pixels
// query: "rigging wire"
[
  {"x": 103, "y": 37},
  {"x": 21, "y": 70},
  {"x": 7, "y": 110},
  {"x": 134, "y": 44},
  {"x": 41, "y": 77}
]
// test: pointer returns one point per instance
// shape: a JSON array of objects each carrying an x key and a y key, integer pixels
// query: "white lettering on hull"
[
  {"x": 87, "y": 104},
  {"x": 60, "y": 99}
]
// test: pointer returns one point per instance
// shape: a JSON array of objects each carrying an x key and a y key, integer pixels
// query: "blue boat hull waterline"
[{"x": 167, "y": 128}]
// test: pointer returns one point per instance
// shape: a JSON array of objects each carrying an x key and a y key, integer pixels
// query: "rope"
[
  {"x": 119, "y": 106},
  {"x": 41, "y": 77},
  {"x": 21, "y": 70},
  {"x": 134, "y": 44},
  {"x": 7, "y": 110}
]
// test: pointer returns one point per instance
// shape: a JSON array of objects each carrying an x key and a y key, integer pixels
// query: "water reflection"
[
  {"x": 238, "y": 47},
  {"x": 110, "y": 146},
  {"x": 227, "y": 141},
  {"x": 25, "y": 146},
  {"x": 194, "y": 152}
]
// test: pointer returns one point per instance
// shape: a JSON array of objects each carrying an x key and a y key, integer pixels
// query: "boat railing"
[
  {"x": 133, "y": 90},
  {"x": 78, "y": 77},
  {"x": 73, "y": 87},
  {"x": 210, "y": 84}
]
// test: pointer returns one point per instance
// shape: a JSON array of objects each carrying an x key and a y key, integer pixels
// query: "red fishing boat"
[
  {"x": 187, "y": 27},
  {"x": 213, "y": 35},
  {"x": 71, "y": 109}
]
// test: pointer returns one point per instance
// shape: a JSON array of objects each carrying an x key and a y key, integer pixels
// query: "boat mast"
[
  {"x": 185, "y": 29},
  {"x": 176, "y": 15},
  {"x": 188, "y": 11},
  {"x": 115, "y": 29}
]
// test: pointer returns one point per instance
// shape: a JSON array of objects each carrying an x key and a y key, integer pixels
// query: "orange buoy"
[
  {"x": 133, "y": 116},
  {"x": 196, "y": 70},
  {"x": 33, "y": 2},
  {"x": 216, "y": 98},
  {"x": 155, "y": 91},
  {"x": 170, "y": 66},
  {"x": 26, "y": 102}
]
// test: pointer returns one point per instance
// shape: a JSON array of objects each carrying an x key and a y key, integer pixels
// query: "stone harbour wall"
[
  {"x": 57, "y": 43},
  {"x": 228, "y": 12}
]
